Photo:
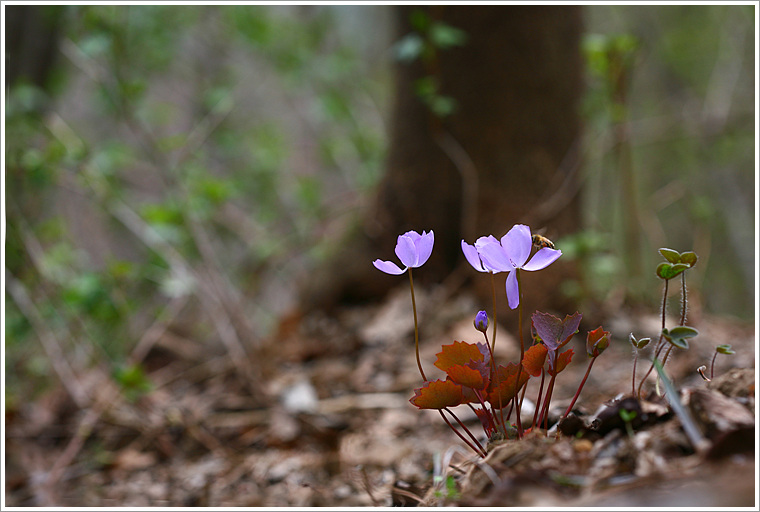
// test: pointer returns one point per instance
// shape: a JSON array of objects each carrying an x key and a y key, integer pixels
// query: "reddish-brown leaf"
[
  {"x": 458, "y": 353},
  {"x": 534, "y": 359},
  {"x": 467, "y": 376},
  {"x": 562, "y": 360},
  {"x": 437, "y": 395},
  {"x": 508, "y": 385}
]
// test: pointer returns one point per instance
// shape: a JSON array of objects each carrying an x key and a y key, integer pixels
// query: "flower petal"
[
  {"x": 542, "y": 259},
  {"x": 513, "y": 290},
  {"x": 388, "y": 267},
  {"x": 406, "y": 250},
  {"x": 517, "y": 243},
  {"x": 424, "y": 247},
  {"x": 471, "y": 254},
  {"x": 486, "y": 240},
  {"x": 494, "y": 257}
]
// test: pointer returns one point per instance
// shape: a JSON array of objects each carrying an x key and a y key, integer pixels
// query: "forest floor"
[{"x": 327, "y": 422}]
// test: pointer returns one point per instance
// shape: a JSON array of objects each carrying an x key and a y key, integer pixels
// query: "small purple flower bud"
[{"x": 481, "y": 321}]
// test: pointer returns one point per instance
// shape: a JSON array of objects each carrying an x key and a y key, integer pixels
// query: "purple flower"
[
  {"x": 474, "y": 254},
  {"x": 511, "y": 254},
  {"x": 481, "y": 321},
  {"x": 412, "y": 249}
]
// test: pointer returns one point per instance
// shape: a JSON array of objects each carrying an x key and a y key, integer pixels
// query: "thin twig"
[{"x": 48, "y": 339}]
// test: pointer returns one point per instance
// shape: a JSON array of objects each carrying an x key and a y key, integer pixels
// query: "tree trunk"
[{"x": 506, "y": 155}]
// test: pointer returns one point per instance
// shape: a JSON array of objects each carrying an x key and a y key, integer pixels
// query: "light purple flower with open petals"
[
  {"x": 512, "y": 254},
  {"x": 412, "y": 249},
  {"x": 474, "y": 255}
]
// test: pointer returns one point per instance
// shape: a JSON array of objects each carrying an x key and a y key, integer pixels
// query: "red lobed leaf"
[
  {"x": 467, "y": 376},
  {"x": 458, "y": 353},
  {"x": 437, "y": 394},
  {"x": 508, "y": 386},
  {"x": 534, "y": 359},
  {"x": 562, "y": 361}
]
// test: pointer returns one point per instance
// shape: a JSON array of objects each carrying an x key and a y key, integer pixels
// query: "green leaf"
[
  {"x": 678, "y": 342},
  {"x": 445, "y": 36},
  {"x": 683, "y": 331},
  {"x": 409, "y": 48},
  {"x": 724, "y": 349},
  {"x": 643, "y": 342},
  {"x": 671, "y": 255},
  {"x": 627, "y": 415},
  {"x": 689, "y": 258},
  {"x": 667, "y": 271}
]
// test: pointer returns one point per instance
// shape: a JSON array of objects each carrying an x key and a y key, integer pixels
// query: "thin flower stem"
[
  {"x": 493, "y": 372},
  {"x": 464, "y": 439},
  {"x": 493, "y": 302},
  {"x": 416, "y": 332},
  {"x": 712, "y": 364},
  {"x": 683, "y": 298},
  {"x": 659, "y": 345},
  {"x": 479, "y": 450},
  {"x": 518, "y": 422},
  {"x": 633, "y": 379},
  {"x": 545, "y": 412},
  {"x": 538, "y": 398},
  {"x": 578, "y": 393}
]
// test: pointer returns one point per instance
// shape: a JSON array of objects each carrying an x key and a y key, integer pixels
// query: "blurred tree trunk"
[
  {"x": 31, "y": 42},
  {"x": 507, "y": 153}
]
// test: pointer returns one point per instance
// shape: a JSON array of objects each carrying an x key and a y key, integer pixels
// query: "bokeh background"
[{"x": 187, "y": 170}]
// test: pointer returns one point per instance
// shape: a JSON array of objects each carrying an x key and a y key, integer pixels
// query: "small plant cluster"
[
  {"x": 473, "y": 378},
  {"x": 676, "y": 264}
]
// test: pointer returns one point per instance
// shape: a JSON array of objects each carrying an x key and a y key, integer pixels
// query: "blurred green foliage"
[{"x": 181, "y": 142}]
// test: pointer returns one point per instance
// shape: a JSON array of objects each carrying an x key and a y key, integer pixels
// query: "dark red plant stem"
[
  {"x": 538, "y": 399},
  {"x": 472, "y": 447},
  {"x": 633, "y": 379},
  {"x": 712, "y": 364},
  {"x": 547, "y": 402},
  {"x": 480, "y": 449},
  {"x": 578, "y": 393},
  {"x": 683, "y": 298},
  {"x": 493, "y": 372},
  {"x": 522, "y": 353}
]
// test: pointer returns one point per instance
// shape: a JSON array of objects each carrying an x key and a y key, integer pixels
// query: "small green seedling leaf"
[
  {"x": 678, "y": 342},
  {"x": 683, "y": 331},
  {"x": 627, "y": 415},
  {"x": 670, "y": 255},
  {"x": 677, "y": 336},
  {"x": 725, "y": 349},
  {"x": 689, "y": 258},
  {"x": 643, "y": 342},
  {"x": 667, "y": 271}
]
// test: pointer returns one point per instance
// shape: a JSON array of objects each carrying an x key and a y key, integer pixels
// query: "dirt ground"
[{"x": 323, "y": 419}]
